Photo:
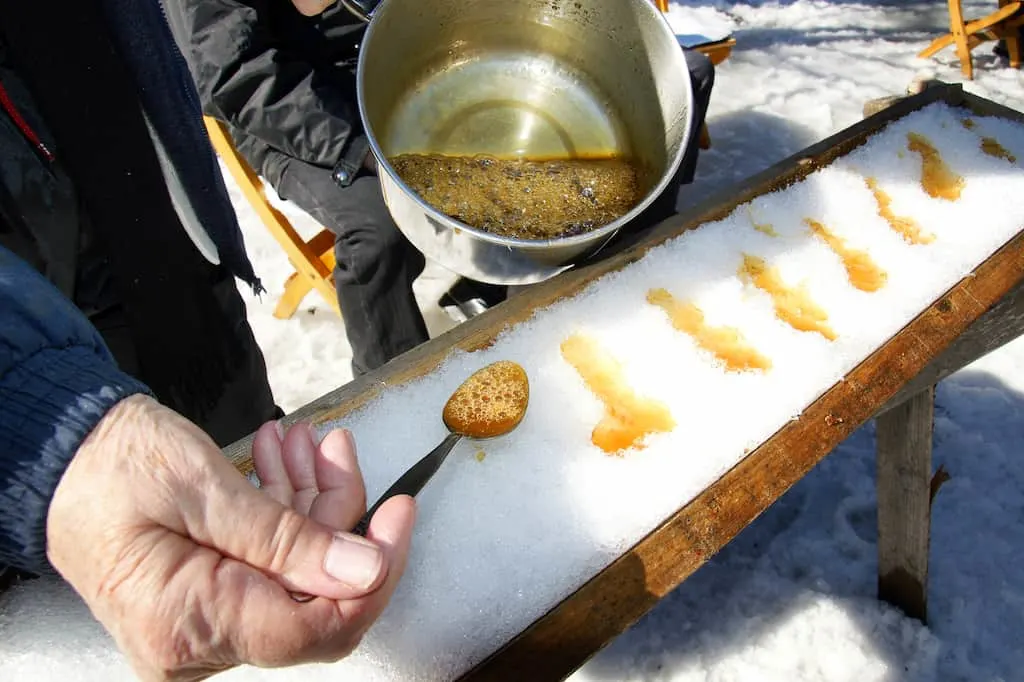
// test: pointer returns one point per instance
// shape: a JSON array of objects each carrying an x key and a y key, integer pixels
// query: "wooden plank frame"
[{"x": 610, "y": 602}]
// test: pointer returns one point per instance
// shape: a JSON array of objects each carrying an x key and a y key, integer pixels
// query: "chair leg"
[
  {"x": 1013, "y": 49},
  {"x": 295, "y": 289},
  {"x": 964, "y": 53},
  {"x": 956, "y": 27}
]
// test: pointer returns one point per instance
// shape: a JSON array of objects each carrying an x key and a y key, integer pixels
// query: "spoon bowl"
[{"x": 490, "y": 403}]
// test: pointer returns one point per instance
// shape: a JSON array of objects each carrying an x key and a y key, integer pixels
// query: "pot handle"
[{"x": 361, "y": 9}]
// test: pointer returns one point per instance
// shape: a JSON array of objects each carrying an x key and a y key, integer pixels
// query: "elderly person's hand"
[{"x": 189, "y": 566}]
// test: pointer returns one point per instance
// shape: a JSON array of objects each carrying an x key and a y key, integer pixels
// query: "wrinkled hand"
[{"x": 189, "y": 566}]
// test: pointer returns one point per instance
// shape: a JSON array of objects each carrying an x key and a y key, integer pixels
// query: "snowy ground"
[{"x": 792, "y": 598}]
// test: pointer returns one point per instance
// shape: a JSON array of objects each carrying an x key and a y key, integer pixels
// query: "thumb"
[{"x": 247, "y": 524}]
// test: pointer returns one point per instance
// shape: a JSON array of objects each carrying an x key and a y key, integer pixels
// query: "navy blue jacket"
[{"x": 57, "y": 380}]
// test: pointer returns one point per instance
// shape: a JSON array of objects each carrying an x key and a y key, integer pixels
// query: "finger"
[
  {"x": 226, "y": 513},
  {"x": 300, "y": 454},
  {"x": 255, "y": 618},
  {"x": 323, "y": 630},
  {"x": 391, "y": 528},
  {"x": 342, "y": 499},
  {"x": 267, "y": 459},
  {"x": 337, "y": 464}
]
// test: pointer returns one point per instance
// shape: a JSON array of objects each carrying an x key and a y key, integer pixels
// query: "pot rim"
[{"x": 582, "y": 239}]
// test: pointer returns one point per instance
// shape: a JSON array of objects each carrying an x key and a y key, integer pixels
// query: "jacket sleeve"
[
  {"x": 57, "y": 380},
  {"x": 258, "y": 87}
]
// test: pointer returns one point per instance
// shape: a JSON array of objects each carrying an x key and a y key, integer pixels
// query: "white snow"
[{"x": 792, "y": 598}]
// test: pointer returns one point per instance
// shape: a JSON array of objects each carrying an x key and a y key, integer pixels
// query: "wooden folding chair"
[
  {"x": 1003, "y": 24},
  {"x": 313, "y": 260}
]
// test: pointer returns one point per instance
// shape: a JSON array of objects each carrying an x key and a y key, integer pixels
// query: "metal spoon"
[{"x": 490, "y": 403}]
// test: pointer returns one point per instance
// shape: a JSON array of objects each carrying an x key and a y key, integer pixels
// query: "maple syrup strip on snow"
[
  {"x": 725, "y": 343},
  {"x": 990, "y": 145},
  {"x": 628, "y": 418},
  {"x": 937, "y": 179},
  {"x": 763, "y": 228},
  {"x": 864, "y": 273},
  {"x": 907, "y": 228},
  {"x": 792, "y": 305}
]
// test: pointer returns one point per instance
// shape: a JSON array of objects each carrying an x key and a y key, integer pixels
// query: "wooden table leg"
[{"x": 904, "y": 436}]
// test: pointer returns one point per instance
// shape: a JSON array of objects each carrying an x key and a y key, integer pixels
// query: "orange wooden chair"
[
  {"x": 313, "y": 260},
  {"x": 1002, "y": 24}
]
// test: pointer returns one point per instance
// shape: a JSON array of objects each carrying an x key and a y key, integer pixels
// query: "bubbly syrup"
[
  {"x": 628, "y": 418},
  {"x": 864, "y": 273},
  {"x": 937, "y": 179},
  {"x": 525, "y": 198},
  {"x": 725, "y": 343},
  {"x": 491, "y": 402},
  {"x": 792, "y": 305},
  {"x": 907, "y": 228}
]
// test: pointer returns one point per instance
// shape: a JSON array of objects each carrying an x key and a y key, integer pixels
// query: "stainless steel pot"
[{"x": 534, "y": 78}]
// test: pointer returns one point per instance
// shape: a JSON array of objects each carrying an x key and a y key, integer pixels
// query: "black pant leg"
[{"x": 376, "y": 264}]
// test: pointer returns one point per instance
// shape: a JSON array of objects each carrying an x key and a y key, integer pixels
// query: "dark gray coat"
[{"x": 282, "y": 82}]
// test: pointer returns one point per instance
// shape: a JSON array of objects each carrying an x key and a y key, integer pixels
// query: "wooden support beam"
[{"x": 904, "y": 436}]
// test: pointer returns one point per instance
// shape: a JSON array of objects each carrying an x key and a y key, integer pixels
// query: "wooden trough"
[{"x": 980, "y": 313}]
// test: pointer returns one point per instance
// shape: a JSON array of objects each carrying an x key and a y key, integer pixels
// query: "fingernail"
[
  {"x": 353, "y": 561},
  {"x": 280, "y": 429},
  {"x": 351, "y": 440},
  {"x": 313, "y": 433}
]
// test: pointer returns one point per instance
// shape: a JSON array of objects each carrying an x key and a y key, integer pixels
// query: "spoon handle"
[
  {"x": 413, "y": 480},
  {"x": 410, "y": 483}
]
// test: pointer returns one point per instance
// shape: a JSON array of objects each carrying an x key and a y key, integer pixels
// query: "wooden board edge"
[{"x": 613, "y": 600}]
